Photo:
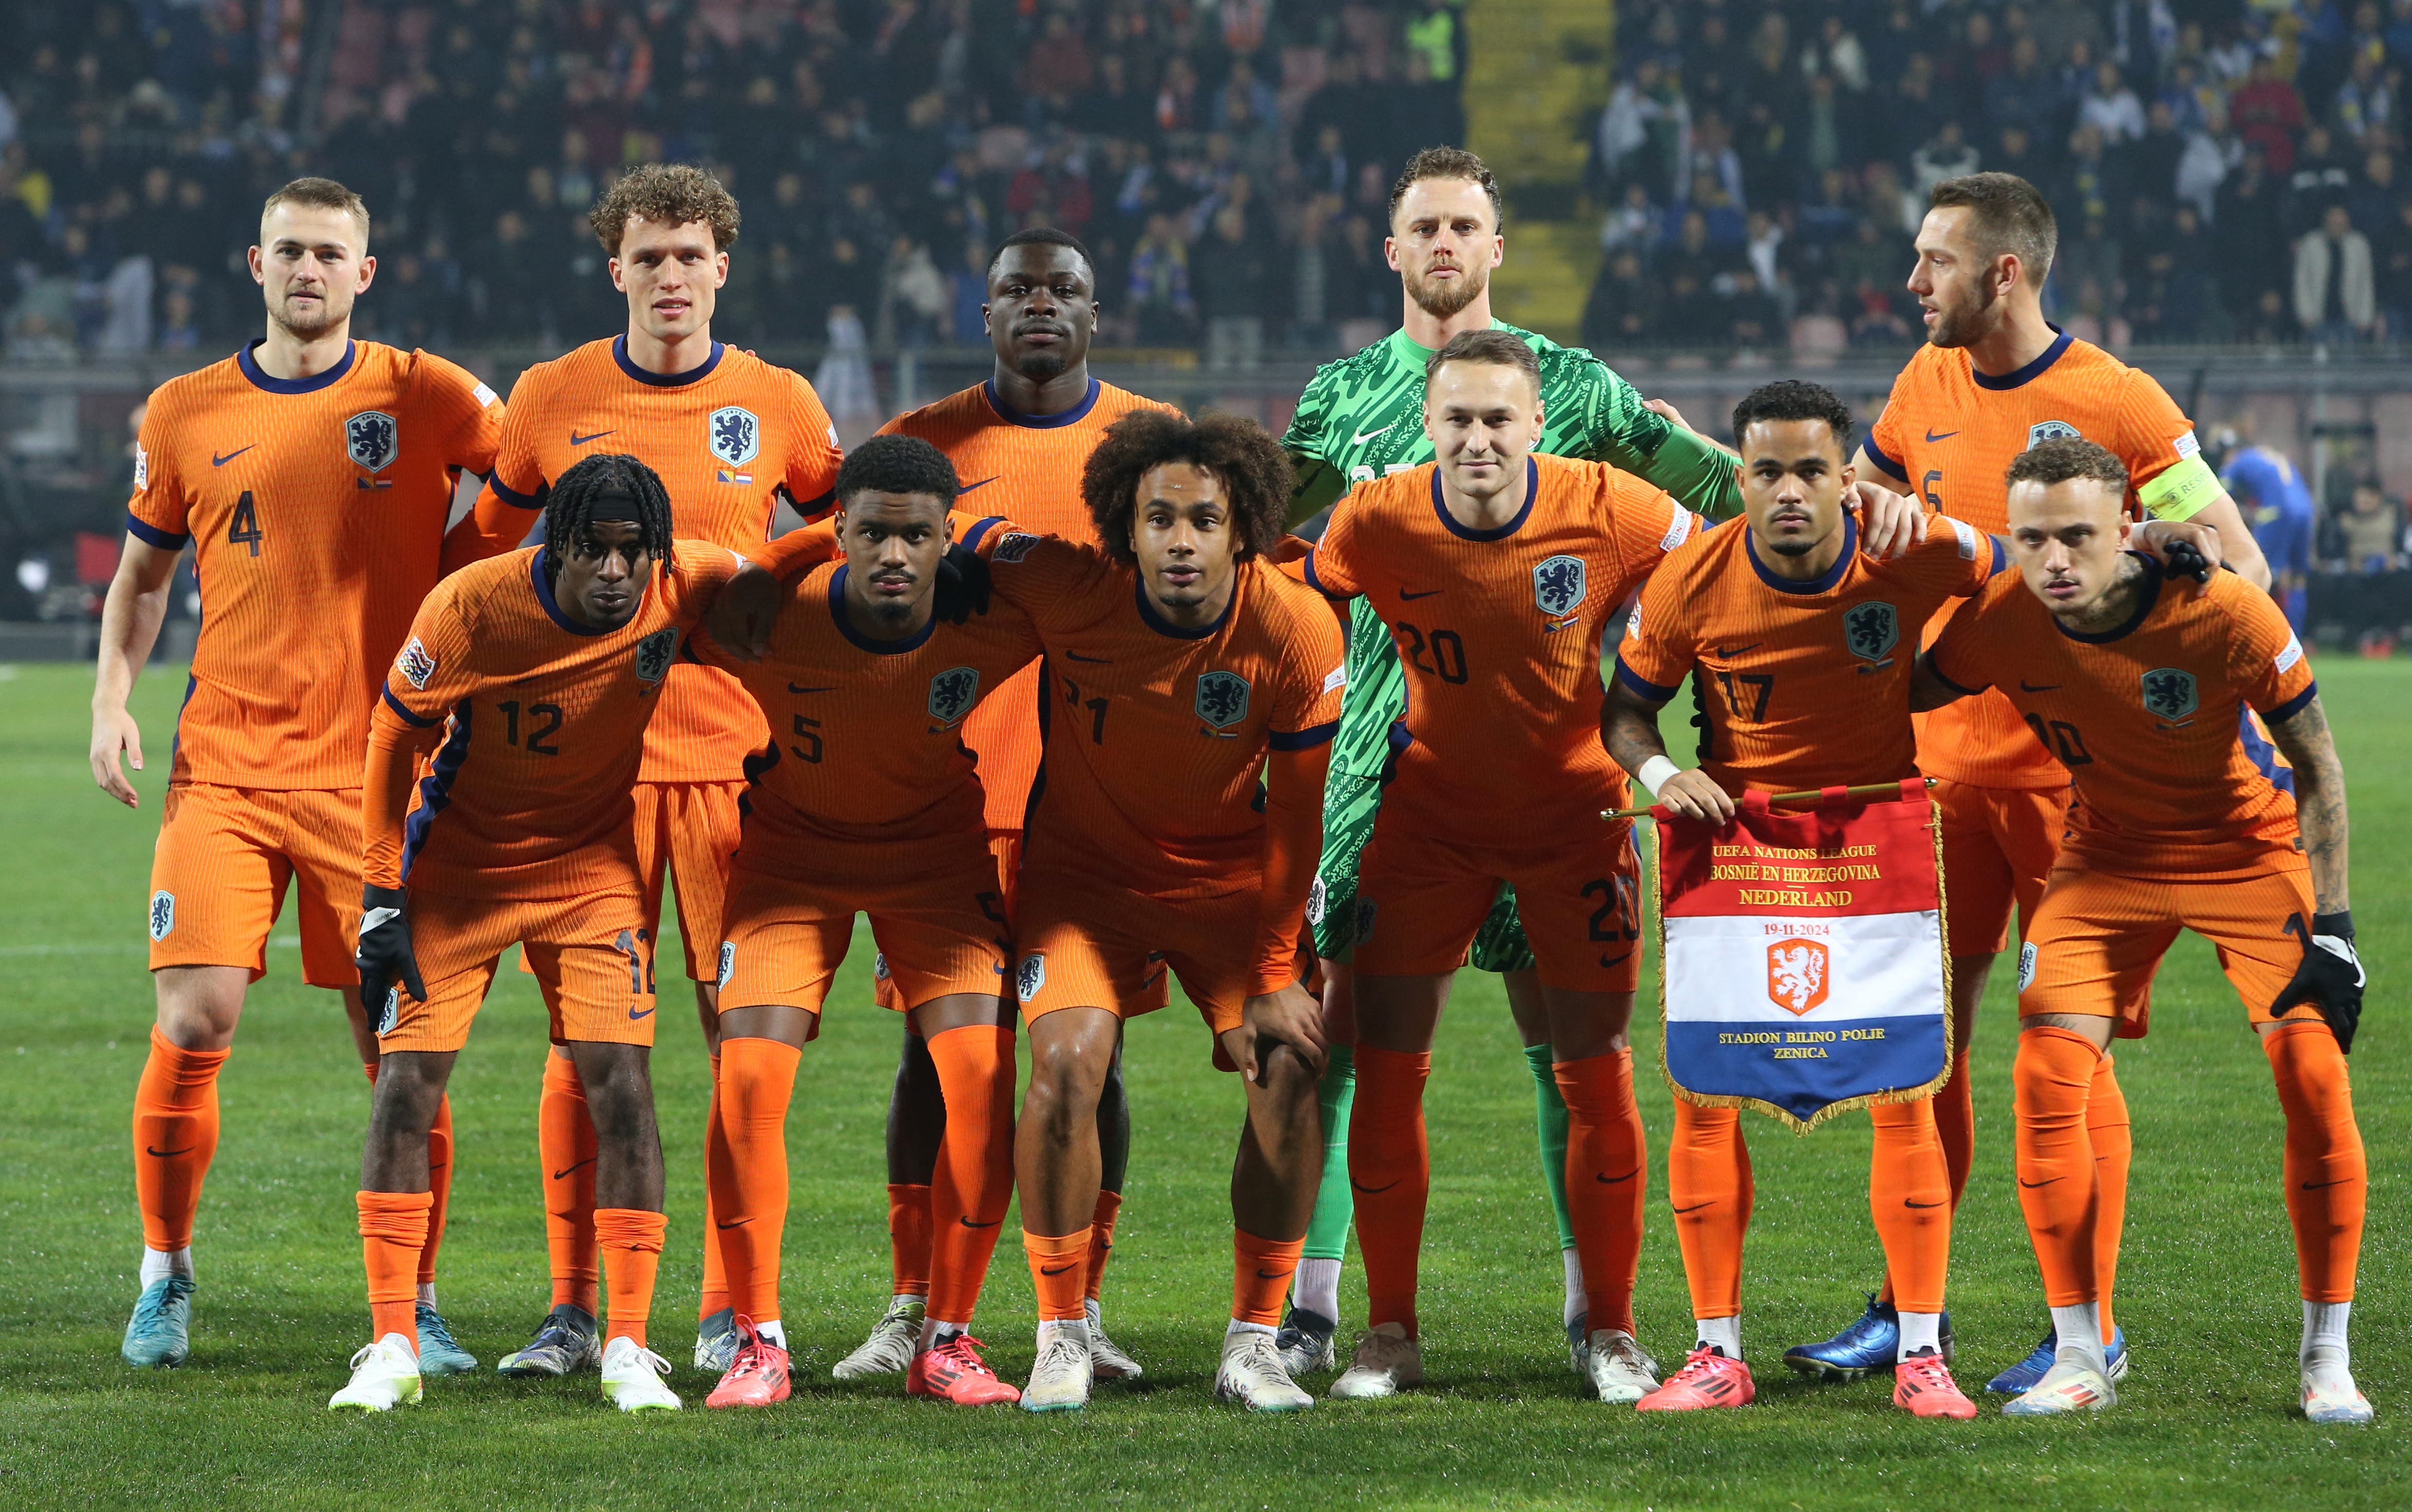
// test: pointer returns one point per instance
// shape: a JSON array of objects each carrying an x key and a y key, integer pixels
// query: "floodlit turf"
[{"x": 2208, "y": 1294}]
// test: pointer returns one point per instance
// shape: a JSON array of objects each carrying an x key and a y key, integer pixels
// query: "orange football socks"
[
  {"x": 1101, "y": 1238},
  {"x": 2054, "y": 1077},
  {"x": 973, "y": 1181},
  {"x": 1708, "y": 1187},
  {"x": 175, "y": 1133},
  {"x": 1909, "y": 1193},
  {"x": 757, "y": 1081},
  {"x": 1059, "y": 1267},
  {"x": 564, "y": 1142},
  {"x": 1390, "y": 1169},
  {"x": 1955, "y": 1124},
  {"x": 2106, "y": 1128},
  {"x": 394, "y": 1231},
  {"x": 1606, "y": 1175},
  {"x": 439, "y": 1187},
  {"x": 908, "y": 1238},
  {"x": 1260, "y": 1273},
  {"x": 2328, "y": 1176},
  {"x": 630, "y": 1241},
  {"x": 717, "y": 1175}
]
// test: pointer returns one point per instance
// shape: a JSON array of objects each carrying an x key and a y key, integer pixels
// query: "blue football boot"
[
  {"x": 2022, "y": 1378},
  {"x": 160, "y": 1334},
  {"x": 1872, "y": 1342},
  {"x": 439, "y": 1353}
]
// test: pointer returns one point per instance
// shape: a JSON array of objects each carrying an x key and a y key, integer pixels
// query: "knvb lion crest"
[
  {"x": 1222, "y": 699},
  {"x": 1797, "y": 974},
  {"x": 1030, "y": 977},
  {"x": 163, "y": 914},
  {"x": 2171, "y": 693},
  {"x": 372, "y": 439},
  {"x": 1870, "y": 631},
  {"x": 653, "y": 656},
  {"x": 734, "y": 435},
  {"x": 953, "y": 692},
  {"x": 1558, "y": 585},
  {"x": 727, "y": 962},
  {"x": 2043, "y": 430}
]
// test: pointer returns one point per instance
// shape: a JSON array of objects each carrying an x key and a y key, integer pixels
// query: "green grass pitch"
[{"x": 2207, "y": 1297}]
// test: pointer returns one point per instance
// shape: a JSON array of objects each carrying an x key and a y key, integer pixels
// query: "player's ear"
[
  {"x": 719, "y": 268},
  {"x": 368, "y": 275},
  {"x": 617, "y": 282}
]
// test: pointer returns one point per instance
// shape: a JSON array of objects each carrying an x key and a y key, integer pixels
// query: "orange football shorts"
[
  {"x": 1087, "y": 944},
  {"x": 219, "y": 871},
  {"x": 592, "y": 956},
  {"x": 1998, "y": 846},
  {"x": 937, "y": 934},
  {"x": 1421, "y": 898},
  {"x": 689, "y": 830}
]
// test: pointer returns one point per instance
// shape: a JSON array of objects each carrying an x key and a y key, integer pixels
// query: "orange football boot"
[
  {"x": 1708, "y": 1379},
  {"x": 757, "y": 1377},
  {"x": 954, "y": 1371},
  {"x": 1923, "y": 1384}
]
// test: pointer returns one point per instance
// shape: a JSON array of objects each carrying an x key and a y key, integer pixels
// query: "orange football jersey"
[
  {"x": 2148, "y": 718},
  {"x": 1953, "y": 433},
  {"x": 1025, "y": 468},
  {"x": 868, "y": 752},
  {"x": 1499, "y": 635},
  {"x": 1804, "y": 685},
  {"x": 727, "y": 437},
  {"x": 317, "y": 505},
  {"x": 528, "y": 793}
]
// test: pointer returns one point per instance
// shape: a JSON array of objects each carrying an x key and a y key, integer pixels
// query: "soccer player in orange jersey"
[
  {"x": 1497, "y": 570},
  {"x": 312, "y": 474},
  {"x": 1192, "y": 693},
  {"x": 868, "y": 800},
  {"x": 2140, "y": 685},
  {"x": 519, "y": 704},
  {"x": 1019, "y": 440},
  {"x": 1994, "y": 379},
  {"x": 1795, "y": 637},
  {"x": 730, "y": 435}
]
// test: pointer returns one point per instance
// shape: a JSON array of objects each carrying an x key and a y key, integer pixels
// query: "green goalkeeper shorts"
[{"x": 1349, "y": 807}]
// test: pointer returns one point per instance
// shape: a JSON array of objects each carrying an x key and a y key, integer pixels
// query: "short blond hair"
[{"x": 320, "y": 194}]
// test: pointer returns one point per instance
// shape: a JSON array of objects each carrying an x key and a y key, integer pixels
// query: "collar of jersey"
[
  {"x": 1407, "y": 346},
  {"x": 2145, "y": 603},
  {"x": 542, "y": 577},
  {"x": 1818, "y": 585},
  {"x": 1531, "y": 492},
  {"x": 2032, "y": 370},
  {"x": 1006, "y": 413},
  {"x": 663, "y": 380},
  {"x": 1157, "y": 622},
  {"x": 877, "y": 648},
  {"x": 251, "y": 369}
]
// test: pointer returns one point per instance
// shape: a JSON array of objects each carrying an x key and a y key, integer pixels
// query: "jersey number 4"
[{"x": 244, "y": 530}]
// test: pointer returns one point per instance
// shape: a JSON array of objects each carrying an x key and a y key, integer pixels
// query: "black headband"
[{"x": 617, "y": 505}]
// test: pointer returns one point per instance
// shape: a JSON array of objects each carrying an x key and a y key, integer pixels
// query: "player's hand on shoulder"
[
  {"x": 963, "y": 584},
  {"x": 746, "y": 612},
  {"x": 1669, "y": 413},
  {"x": 1290, "y": 1016},
  {"x": 2330, "y": 977},
  {"x": 1690, "y": 794},
  {"x": 1890, "y": 523},
  {"x": 2184, "y": 547},
  {"x": 385, "y": 957},
  {"x": 115, "y": 733}
]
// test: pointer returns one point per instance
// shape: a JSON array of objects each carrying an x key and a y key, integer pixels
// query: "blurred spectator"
[
  {"x": 2369, "y": 533},
  {"x": 2112, "y": 108},
  {"x": 2335, "y": 298},
  {"x": 1622, "y": 311}
]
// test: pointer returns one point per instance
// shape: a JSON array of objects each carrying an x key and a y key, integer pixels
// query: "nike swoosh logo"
[
  {"x": 1698, "y": 1205},
  {"x": 2025, "y": 686},
  {"x": 1613, "y": 1180},
  {"x": 1053, "y": 1271},
  {"x": 1405, "y": 596},
  {"x": 2032, "y": 1185},
  {"x": 1611, "y": 961},
  {"x": 2308, "y": 1186},
  {"x": 1363, "y": 436},
  {"x": 969, "y": 1224},
  {"x": 981, "y": 484},
  {"x": 1094, "y": 661},
  {"x": 1932, "y": 437},
  {"x": 1906, "y": 1203},
  {"x": 831, "y": 688},
  {"x": 564, "y": 1175},
  {"x": 1262, "y": 1274},
  {"x": 1372, "y": 1191},
  {"x": 646, "y": 1014},
  {"x": 723, "y": 1223},
  {"x": 166, "y": 1154},
  {"x": 1723, "y": 653},
  {"x": 216, "y": 461},
  {"x": 577, "y": 440}
]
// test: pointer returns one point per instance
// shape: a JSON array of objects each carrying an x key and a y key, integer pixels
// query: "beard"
[
  {"x": 1967, "y": 325},
  {"x": 1042, "y": 365},
  {"x": 1442, "y": 301},
  {"x": 309, "y": 327}
]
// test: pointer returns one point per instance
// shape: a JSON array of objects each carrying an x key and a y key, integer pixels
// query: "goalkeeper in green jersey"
[{"x": 1362, "y": 416}]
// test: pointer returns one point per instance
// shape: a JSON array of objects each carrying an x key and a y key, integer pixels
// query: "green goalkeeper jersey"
[{"x": 1362, "y": 416}]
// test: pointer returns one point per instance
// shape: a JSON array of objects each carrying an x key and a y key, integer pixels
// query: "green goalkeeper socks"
[
  {"x": 1550, "y": 1125},
  {"x": 1326, "y": 1232}
]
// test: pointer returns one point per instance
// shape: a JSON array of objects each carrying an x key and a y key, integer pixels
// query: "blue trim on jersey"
[
  {"x": 1640, "y": 685},
  {"x": 386, "y": 692},
  {"x": 435, "y": 789},
  {"x": 877, "y": 648},
  {"x": 2144, "y": 606},
  {"x": 1824, "y": 580},
  {"x": 2291, "y": 707},
  {"x": 166, "y": 540},
  {"x": 1531, "y": 492},
  {"x": 1943, "y": 678},
  {"x": 1006, "y": 413},
  {"x": 176, "y": 731},
  {"x": 250, "y": 369},
  {"x": 663, "y": 380},
  {"x": 1046, "y": 717},
  {"x": 2264, "y": 756},
  {"x": 2000, "y": 558},
  {"x": 1157, "y": 622},
  {"x": 514, "y": 497},
  {"x": 542, "y": 580},
  {"x": 1307, "y": 565},
  {"x": 757, "y": 765},
  {"x": 1876, "y": 454},
  {"x": 1301, "y": 740},
  {"x": 978, "y": 532},
  {"x": 2028, "y": 373}
]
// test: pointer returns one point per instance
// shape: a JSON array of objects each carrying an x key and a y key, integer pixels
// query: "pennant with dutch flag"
[{"x": 1803, "y": 965}]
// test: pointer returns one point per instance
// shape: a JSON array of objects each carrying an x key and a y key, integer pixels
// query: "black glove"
[
  {"x": 2330, "y": 977},
  {"x": 2187, "y": 561},
  {"x": 385, "y": 957},
  {"x": 962, "y": 584}
]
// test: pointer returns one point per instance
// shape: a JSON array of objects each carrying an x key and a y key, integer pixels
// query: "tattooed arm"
[{"x": 2319, "y": 800}]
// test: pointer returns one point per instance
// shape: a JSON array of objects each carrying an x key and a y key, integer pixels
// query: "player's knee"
[
  {"x": 1064, "y": 1090},
  {"x": 410, "y": 1089},
  {"x": 1286, "y": 1074},
  {"x": 200, "y": 1005}
]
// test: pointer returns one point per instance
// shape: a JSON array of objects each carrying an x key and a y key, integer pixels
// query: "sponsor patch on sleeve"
[
  {"x": 415, "y": 664},
  {"x": 1014, "y": 547},
  {"x": 484, "y": 395},
  {"x": 2188, "y": 445},
  {"x": 1678, "y": 529},
  {"x": 1968, "y": 538},
  {"x": 141, "y": 468},
  {"x": 1338, "y": 678},
  {"x": 2291, "y": 655}
]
